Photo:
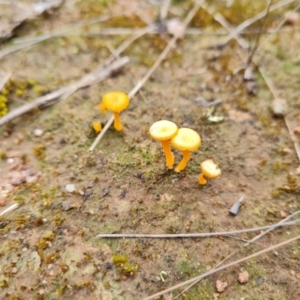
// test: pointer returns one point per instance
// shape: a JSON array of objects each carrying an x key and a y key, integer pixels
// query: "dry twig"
[
  {"x": 200, "y": 277},
  {"x": 10, "y": 208},
  {"x": 30, "y": 41},
  {"x": 256, "y": 238},
  {"x": 144, "y": 79},
  {"x": 4, "y": 77},
  {"x": 53, "y": 97},
  {"x": 275, "y": 95},
  {"x": 194, "y": 235},
  {"x": 254, "y": 19}
]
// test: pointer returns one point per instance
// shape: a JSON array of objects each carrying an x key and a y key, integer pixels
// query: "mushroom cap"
[
  {"x": 163, "y": 130},
  {"x": 210, "y": 169},
  {"x": 186, "y": 139},
  {"x": 115, "y": 101}
]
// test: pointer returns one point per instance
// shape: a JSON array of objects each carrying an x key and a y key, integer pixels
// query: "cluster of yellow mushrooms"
[
  {"x": 167, "y": 132},
  {"x": 185, "y": 140}
]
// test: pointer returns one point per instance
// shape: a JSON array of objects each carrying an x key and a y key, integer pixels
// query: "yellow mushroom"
[
  {"x": 115, "y": 102},
  {"x": 186, "y": 140},
  {"x": 163, "y": 131},
  {"x": 209, "y": 170},
  {"x": 97, "y": 126}
]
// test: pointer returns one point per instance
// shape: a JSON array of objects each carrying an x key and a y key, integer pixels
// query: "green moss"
[
  {"x": 121, "y": 262},
  {"x": 40, "y": 151},
  {"x": 3, "y": 106}
]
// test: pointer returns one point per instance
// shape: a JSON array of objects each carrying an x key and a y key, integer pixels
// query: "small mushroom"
[
  {"x": 209, "y": 170},
  {"x": 115, "y": 102},
  {"x": 164, "y": 131},
  {"x": 97, "y": 126},
  {"x": 186, "y": 140}
]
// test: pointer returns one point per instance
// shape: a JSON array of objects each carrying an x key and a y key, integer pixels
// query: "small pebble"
[
  {"x": 176, "y": 28},
  {"x": 221, "y": 286},
  {"x": 38, "y": 132},
  {"x": 3, "y": 202},
  {"x": 260, "y": 280},
  {"x": 70, "y": 188},
  {"x": 279, "y": 107},
  {"x": 243, "y": 277},
  {"x": 283, "y": 214},
  {"x": 66, "y": 205},
  {"x": 291, "y": 18},
  {"x": 14, "y": 270}
]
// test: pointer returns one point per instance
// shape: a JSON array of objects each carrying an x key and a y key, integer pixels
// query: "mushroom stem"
[
  {"x": 168, "y": 154},
  {"x": 117, "y": 123},
  {"x": 202, "y": 179},
  {"x": 184, "y": 161}
]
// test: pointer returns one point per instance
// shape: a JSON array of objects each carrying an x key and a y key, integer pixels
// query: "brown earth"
[{"x": 49, "y": 248}]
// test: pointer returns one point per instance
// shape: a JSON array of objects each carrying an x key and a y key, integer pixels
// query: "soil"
[{"x": 49, "y": 248}]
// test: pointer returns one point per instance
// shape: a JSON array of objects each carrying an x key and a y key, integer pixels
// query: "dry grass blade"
[
  {"x": 164, "y": 9},
  {"x": 10, "y": 208},
  {"x": 22, "y": 13},
  {"x": 195, "y": 235},
  {"x": 161, "y": 57},
  {"x": 275, "y": 95},
  {"x": 4, "y": 77},
  {"x": 256, "y": 238},
  {"x": 254, "y": 19},
  {"x": 200, "y": 277},
  {"x": 30, "y": 41},
  {"x": 220, "y": 19},
  {"x": 51, "y": 98}
]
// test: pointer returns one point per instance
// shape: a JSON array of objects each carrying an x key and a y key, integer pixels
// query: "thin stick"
[
  {"x": 277, "y": 29},
  {"x": 220, "y": 19},
  {"x": 193, "y": 235},
  {"x": 136, "y": 88},
  {"x": 12, "y": 207},
  {"x": 53, "y": 97},
  {"x": 293, "y": 137},
  {"x": 282, "y": 222},
  {"x": 164, "y": 9},
  {"x": 252, "y": 20},
  {"x": 275, "y": 95},
  {"x": 256, "y": 44},
  {"x": 4, "y": 77},
  {"x": 27, "y": 42},
  {"x": 256, "y": 254}
]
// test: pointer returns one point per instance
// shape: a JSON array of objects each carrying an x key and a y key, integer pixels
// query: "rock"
[
  {"x": 70, "y": 188},
  {"x": 176, "y": 28},
  {"x": 297, "y": 130},
  {"x": 279, "y": 107},
  {"x": 38, "y": 132},
  {"x": 67, "y": 205},
  {"x": 260, "y": 280},
  {"x": 243, "y": 277},
  {"x": 291, "y": 18},
  {"x": 283, "y": 214},
  {"x": 221, "y": 286},
  {"x": 3, "y": 202}
]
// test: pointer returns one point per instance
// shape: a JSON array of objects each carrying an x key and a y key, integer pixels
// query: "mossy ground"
[{"x": 50, "y": 252}]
